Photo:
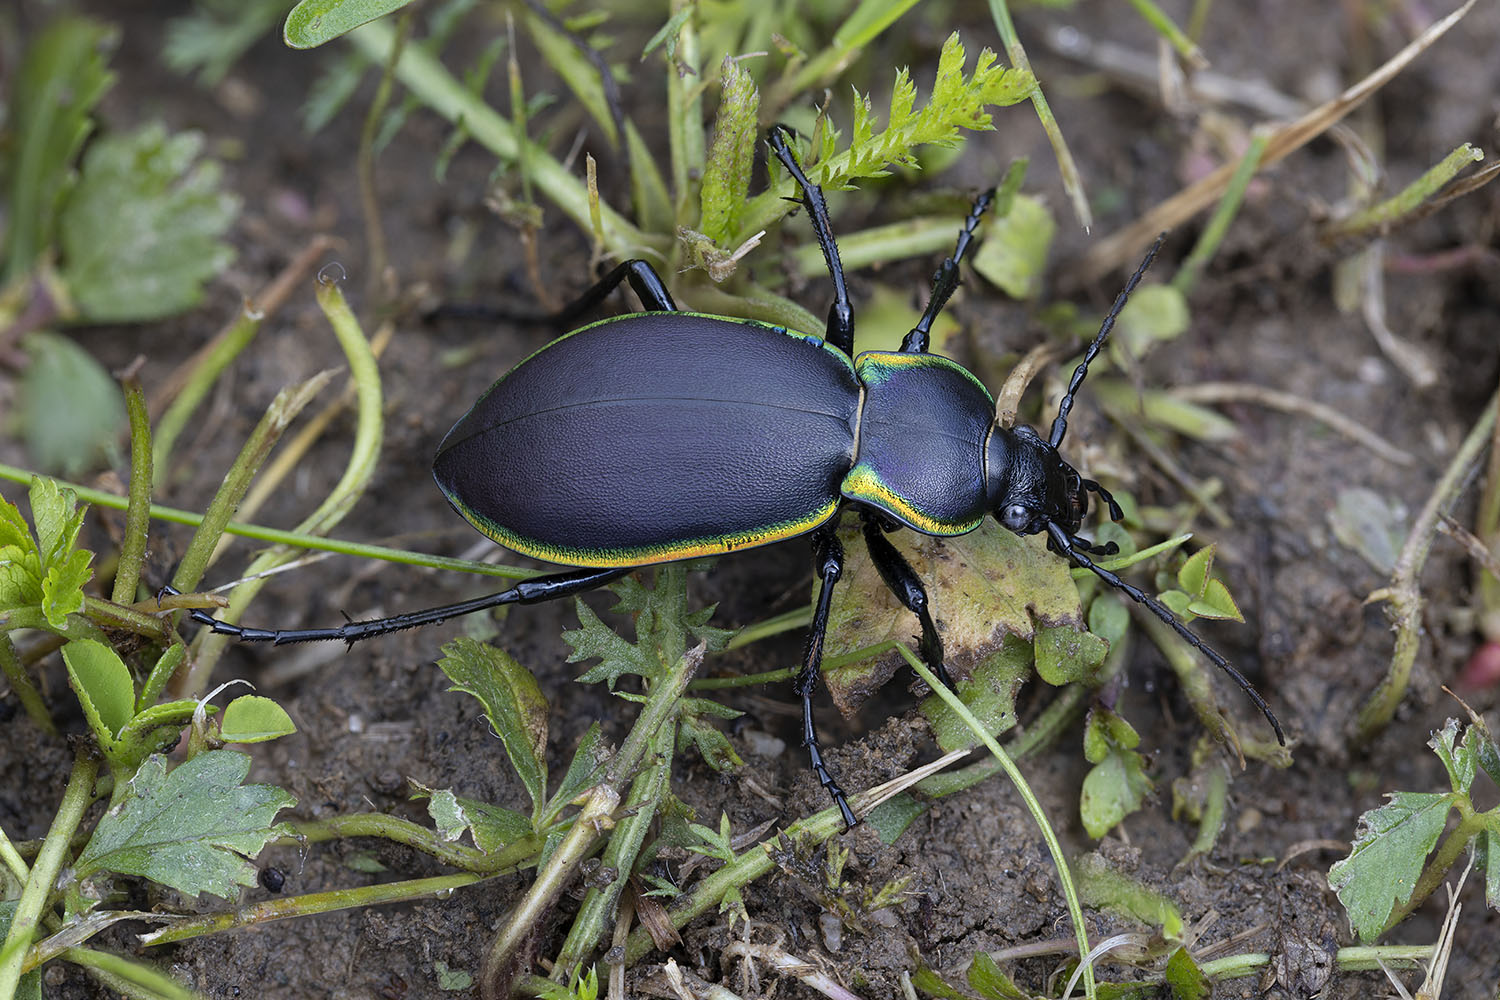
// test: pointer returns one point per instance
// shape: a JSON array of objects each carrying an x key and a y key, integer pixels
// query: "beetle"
[{"x": 665, "y": 435}]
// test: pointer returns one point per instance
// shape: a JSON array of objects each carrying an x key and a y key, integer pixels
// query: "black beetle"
[{"x": 666, "y": 435}]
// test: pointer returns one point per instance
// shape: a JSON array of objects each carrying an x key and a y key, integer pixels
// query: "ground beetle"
[{"x": 666, "y": 435}]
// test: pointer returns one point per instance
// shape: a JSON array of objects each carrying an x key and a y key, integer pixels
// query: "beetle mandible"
[{"x": 666, "y": 435}]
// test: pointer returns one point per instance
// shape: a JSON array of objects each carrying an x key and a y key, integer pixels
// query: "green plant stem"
[
  {"x": 223, "y": 351},
  {"x": 428, "y": 841},
  {"x": 1066, "y": 166},
  {"x": 684, "y": 118},
  {"x": 1157, "y": 18},
  {"x": 364, "y": 454},
  {"x": 1064, "y": 874},
  {"x": 799, "y": 617},
  {"x": 439, "y": 887},
  {"x": 1403, "y": 594},
  {"x": 120, "y": 616},
  {"x": 597, "y": 814},
  {"x": 11, "y": 858},
  {"x": 1470, "y": 825},
  {"x": 921, "y": 236},
  {"x": 138, "y": 513},
  {"x": 77, "y": 797},
  {"x": 431, "y": 83},
  {"x": 364, "y": 161},
  {"x": 1215, "y": 807},
  {"x": 1381, "y": 217},
  {"x": 20, "y": 682},
  {"x": 276, "y": 536},
  {"x": 129, "y": 977},
  {"x": 787, "y": 673},
  {"x": 641, "y": 807}
]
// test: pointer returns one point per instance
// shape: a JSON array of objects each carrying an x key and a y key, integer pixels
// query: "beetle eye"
[{"x": 1015, "y": 517}]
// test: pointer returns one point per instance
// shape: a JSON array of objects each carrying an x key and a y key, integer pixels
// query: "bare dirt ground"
[{"x": 1264, "y": 313}]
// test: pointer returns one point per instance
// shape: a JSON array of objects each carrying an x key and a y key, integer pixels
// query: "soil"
[{"x": 977, "y": 876}]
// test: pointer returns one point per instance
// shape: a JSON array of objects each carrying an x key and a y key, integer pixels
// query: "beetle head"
[{"x": 1028, "y": 484}]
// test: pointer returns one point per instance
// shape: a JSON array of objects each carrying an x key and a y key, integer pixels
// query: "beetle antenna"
[
  {"x": 1060, "y": 425},
  {"x": 1074, "y": 551}
]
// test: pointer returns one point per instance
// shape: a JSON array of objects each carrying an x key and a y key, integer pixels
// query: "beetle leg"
[
  {"x": 907, "y": 586},
  {"x": 830, "y": 566},
  {"x": 533, "y": 591},
  {"x": 945, "y": 280},
  {"x": 840, "y": 329},
  {"x": 1115, "y": 513},
  {"x": 642, "y": 277},
  {"x": 1085, "y": 545}
]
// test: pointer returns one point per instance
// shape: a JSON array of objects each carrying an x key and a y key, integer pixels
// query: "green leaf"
[
  {"x": 211, "y": 37},
  {"x": 989, "y": 982},
  {"x": 492, "y": 827},
  {"x": 990, "y": 693},
  {"x": 57, "y": 516},
  {"x": 1013, "y": 256},
  {"x": 251, "y": 718},
  {"x": 1391, "y": 845},
  {"x": 932, "y": 984},
  {"x": 1482, "y": 746},
  {"x": 1488, "y": 847},
  {"x": 1457, "y": 757},
  {"x": 1117, "y": 784},
  {"x": 1185, "y": 978},
  {"x": 315, "y": 22},
  {"x": 1216, "y": 603},
  {"x": 104, "y": 687},
  {"x": 62, "y": 587},
  {"x": 588, "y": 760},
  {"x": 191, "y": 828},
  {"x": 711, "y": 744},
  {"x": 512, "y": 702},
  {"x": 1194, "y": 574},
  {"x": 890, "y": 819},
  {"x": 1102, "y": 885},
  {"x": 618, "y": 657},
  {"x": 1155, "y": 313},
  {"x": 140, "y": 234},
  {"x": 60, "y": 80},
  {"x": 1065, "y": 655},
  {"x": 984, "y": 586},
  {"x": 156, "y": 729}
]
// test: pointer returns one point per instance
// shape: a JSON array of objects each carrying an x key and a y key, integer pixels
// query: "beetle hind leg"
[
  {"x": 643, "y": 279},
  {"x": 840, "y": 330},
  {"x": 830, "y": 566}
]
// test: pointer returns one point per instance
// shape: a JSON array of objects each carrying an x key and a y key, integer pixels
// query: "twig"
[{"x": 1242, "y": 392}]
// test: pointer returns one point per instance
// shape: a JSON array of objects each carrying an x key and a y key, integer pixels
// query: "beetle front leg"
[
  {"x": 909, "y": 590},
  {"x": 830, "y": 566}
]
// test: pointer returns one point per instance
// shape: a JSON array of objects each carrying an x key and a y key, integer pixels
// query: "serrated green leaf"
[
  {"x": 141, "y": 232},
  {"x": 20, "y": 577},
  {"x": 1185, "y": 978},
  {"x": 62, "y": 587},
  {"x": 212, "y": 36},
  {"x": 13, "y": 527},
  {"x": 1013, "y": 256},
  {"x": 57, "y": 516},
  {"x": 989, "y": 982},
  {"x": 1457, "y": 757},
  {"x": 191, "y": 828},
  {"x": 617, "y": 657},
  {"x": 61, "y": 79},
  {"x": 315, "y": 22},
  {"x": 251, "y": 718},
  {"x": 1065, "y": 655},
  {"x": 512, "y": 702},
  {"x": 104, "y": 687},
  {"x": 1391, "y": 845}
]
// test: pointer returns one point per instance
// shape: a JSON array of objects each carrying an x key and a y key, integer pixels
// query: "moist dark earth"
[{"x": 978, "y": 877}]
